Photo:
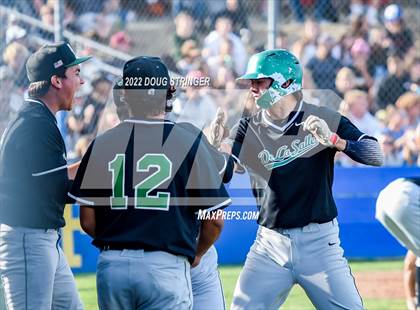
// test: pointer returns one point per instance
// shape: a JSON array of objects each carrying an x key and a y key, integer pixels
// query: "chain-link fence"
[{"x": 366, "y": 52}]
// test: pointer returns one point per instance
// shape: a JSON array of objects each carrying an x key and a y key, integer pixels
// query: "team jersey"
[
  {"x": 147, "y": 179},
  {"x": 33, "y": 170},
  {"x": 291, "y": 172}
]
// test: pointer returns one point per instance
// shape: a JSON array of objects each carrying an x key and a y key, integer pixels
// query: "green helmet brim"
[{"x": 250, "y": 76}]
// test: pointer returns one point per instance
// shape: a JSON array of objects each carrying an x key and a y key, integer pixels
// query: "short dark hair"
[
  {"x": 142, "y": 106},
  {"x": 40, "y": 88}
]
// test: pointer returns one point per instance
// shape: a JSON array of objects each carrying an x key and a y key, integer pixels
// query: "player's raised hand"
[
  {"x": 218, "y": 130},
  {"x": 319, "y": 128}
]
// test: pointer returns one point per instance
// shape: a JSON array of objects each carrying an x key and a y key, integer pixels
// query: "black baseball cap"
[
  {"x": 50, "y": 60},
  {"x": 145, "y": 72}
]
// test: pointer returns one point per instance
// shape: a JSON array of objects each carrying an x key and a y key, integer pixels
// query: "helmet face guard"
[{"x": 279, "y": 65}]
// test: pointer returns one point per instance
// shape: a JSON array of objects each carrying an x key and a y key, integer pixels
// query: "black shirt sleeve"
[
  {"x": 236, "y": 139},
  {"x": 348, "y": 131}
]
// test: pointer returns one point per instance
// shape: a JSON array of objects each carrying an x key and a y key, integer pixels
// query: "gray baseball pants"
[
  {"x": 34, "y": 271},
  {"x": 310, "y": 256}
]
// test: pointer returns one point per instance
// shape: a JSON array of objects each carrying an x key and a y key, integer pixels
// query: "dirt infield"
[{"x": 380, "y": 284}]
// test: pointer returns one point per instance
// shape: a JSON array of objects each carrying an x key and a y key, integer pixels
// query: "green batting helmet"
[{"x": 279, "y": 65}]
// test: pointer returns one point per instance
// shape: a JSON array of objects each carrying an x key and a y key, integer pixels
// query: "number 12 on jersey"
[{"x": 143, "y": 198}]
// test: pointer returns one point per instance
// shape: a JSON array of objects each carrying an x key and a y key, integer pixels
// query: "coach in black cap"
[{"x": 34, "y": 181}]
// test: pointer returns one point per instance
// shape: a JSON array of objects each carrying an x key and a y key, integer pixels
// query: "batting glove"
[
  {"x": 218, "y": 130},
  {"x": 319, "y": 128}
]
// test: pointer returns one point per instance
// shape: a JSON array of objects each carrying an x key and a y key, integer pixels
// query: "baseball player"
[
  {"x": 140, "y": 185},
  {"x": 398, "y": 209},
  {"x": 206, "y": 285},
  {"x": 34, "y": 181},
  {"x": 288, "y": 149}
]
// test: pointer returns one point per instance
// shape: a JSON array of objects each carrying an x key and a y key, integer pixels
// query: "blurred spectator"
[
  {"x": 341, "y": 50},
  {"x": 298, "y": 11},
  {"x": 195, "y": 106},
  {"x": 393, "y": 85},
  {"x": 223, "y": 32},
  {"x": 121, "y": 41},
  {"x": 236, "y": 13},
  {"x": 345, "y": 81},
  {"x": 75, "y": 122},
  {"x": 282, "y": 40},
  {"x": 410, "y": 144},
  {"x": 15, "y": 56},
  {"x": 15, "y": 33},
  {"x": 70, "y": 17},
  {"x": 214, "y": 7},
  {"x": 190, "y": 57},
  {"x": 392, "y": 156},
  {"x": 378, "y": 55},
  {"x": 111, "y": 18},
  {"x": 126, "y": 13},
  {"x": 224, "y": 58},
  {"x": 359, "y": 27},
  {"x": 184, "y": 31},
  {"x": 196, "y": 7},
  {"x": 225, "y": 78},
  {"x": 46, "y": 12},
  {"x": 87, "y": 110},
  {"x": 305, "y": 48},
  {"x": 30, "y": 7},
  {"x": 356, "y": 108},
  {"x": 396, "y": 122},
  {"x": 400, "y": 38},
  {"x": 95, "y": 102},
  {"x": 323, "y": 10},
  {"x": 360, "y": 53},
  {"x": 323, "y": 66},
  {"x": 414, "y": 83},
  {"x": 357, "y": 30},
  {"x": 410, "y": 103},
  {"x": 10, "y": 97},
  {"x": 370, "y": 9},
  {"x": 82, "y": 6},
  {"x": 108, "y": 19}
]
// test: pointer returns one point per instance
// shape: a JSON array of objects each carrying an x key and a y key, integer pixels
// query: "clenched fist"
[{"x": 319, "y": 128}]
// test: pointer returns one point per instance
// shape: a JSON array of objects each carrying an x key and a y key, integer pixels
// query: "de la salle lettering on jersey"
[{"x": 286, "y": 154}]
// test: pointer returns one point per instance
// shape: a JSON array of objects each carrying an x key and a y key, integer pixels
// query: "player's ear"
[{"x": 56, "y": 81}]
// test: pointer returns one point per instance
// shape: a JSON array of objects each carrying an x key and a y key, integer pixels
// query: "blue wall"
[{"x": 355, "y": 192}]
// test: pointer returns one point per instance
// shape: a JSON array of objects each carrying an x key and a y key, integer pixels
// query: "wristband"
[{"x": 334, "y": 139}]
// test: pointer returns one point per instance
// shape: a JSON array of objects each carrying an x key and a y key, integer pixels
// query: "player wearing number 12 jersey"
[{"x": 140, "y": 186}]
